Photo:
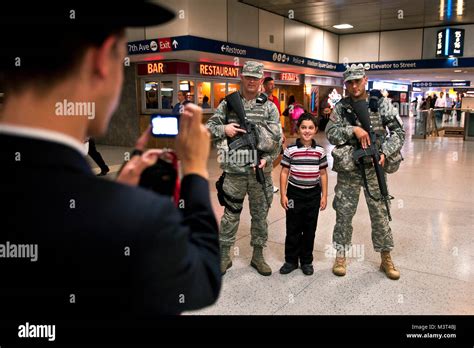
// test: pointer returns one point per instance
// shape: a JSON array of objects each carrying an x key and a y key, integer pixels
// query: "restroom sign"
[{"x": 450, "y": 42}]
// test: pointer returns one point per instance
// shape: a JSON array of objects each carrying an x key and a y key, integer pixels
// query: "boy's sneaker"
[
  {"x": 288, "y": 268},
  {"x": 307, "y": 269}
]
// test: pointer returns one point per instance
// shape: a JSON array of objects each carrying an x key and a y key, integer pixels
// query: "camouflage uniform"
[
  {"x": 240, "y": 177},
  {"x": 339, "y": 132}
]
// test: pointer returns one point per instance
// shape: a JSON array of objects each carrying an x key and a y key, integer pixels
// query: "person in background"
[
  {"x": 427, "y": 103},
  {"x": 458, "y": 105},
  {"x": 419, "y": 106},
  {"x": 324, "y": 110},
  {"x": 205, "y": 102},
  {"x": 166, "y": 102},
  {"x": 269, "y": 86},
  {"x": 294, "y": 111},
  {"x": 178, "y": 106},
  {"x": 97, "y": 157},
  {"x": 433, "y": 101},
  {"x": 189, "y": 98},
  {"x": 440, "y": 104}
]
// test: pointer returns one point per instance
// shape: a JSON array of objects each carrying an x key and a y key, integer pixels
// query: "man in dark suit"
[{"x": 73, "y": 246}]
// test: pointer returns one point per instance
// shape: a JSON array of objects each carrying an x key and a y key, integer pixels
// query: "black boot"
[{"x": 288, "y": 268}]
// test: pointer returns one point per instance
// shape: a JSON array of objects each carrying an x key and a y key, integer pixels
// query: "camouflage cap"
[
  {"x": 252, "y": 68},
  {"x": 354, "y": 73}
]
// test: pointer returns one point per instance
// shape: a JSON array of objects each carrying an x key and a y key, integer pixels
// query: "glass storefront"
[
  {"x": 219, "y": 93},
  {"x": 151, "y": 95},
  {"x": 158, "y": 94},
  {"x": 166, "y": 88}
]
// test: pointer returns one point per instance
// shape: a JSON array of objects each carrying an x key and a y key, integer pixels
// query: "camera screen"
[{"x": 164, "y": 125}]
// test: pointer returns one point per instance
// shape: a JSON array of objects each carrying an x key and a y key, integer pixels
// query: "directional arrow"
[
  {"x": 223, "y": 48},
  {"x": 175, "y": 43}
]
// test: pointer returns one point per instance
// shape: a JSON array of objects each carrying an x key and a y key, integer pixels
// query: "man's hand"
[
  {"x": 284, "y": 202},
  {"x": 232, "y": 129},
  {"x": 382, "y": 159},
  {"x": 143, "y": 140},
  {"x": 362, "y": 136},
  {"x": 193, "y": 142},
  {"x": 262, "y": 164},
  {"x": 133, "y": 169}
]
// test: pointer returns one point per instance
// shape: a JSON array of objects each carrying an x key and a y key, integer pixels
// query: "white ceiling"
[{"x": 372, "y": 15}]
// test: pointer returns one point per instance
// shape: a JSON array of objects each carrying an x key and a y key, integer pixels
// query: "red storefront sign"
[
  {"x": 160, "y": 68},
  {"x": 289, "y": 77},
  {"x": 218, "y": 70}
]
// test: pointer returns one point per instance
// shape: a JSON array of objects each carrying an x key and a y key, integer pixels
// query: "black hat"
[
  {"x": 74, "y": 14},
  {"x": 40, "y": 32}
]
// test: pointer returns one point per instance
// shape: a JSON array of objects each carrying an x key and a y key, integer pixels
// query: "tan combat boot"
[
  {"x": 226, "y": 262},
  {"x": 258, "y": 262},
  {"x": 339, "y": 267},
  {"x": 388, "y": 267}
]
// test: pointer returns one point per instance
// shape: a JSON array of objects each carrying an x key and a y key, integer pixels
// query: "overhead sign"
[
  {"x": 414, "y": 64},
  {"x": 195, "y": 43},
  {"x": 218, "y": 70},
  {"x": 189, "y": 42},
  {"x": 442, "y": 84},
  {"x": 389, "y": 86},
  {"x": 450, "y": 42},
  {"x": 152, "y": 68}
]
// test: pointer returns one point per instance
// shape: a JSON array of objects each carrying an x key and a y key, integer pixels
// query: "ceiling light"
[
  {"x": 459, "y": 7},
  {"x": 456, "y": 80},
  {"x": 343, "y": 26},
  {"x": 441, "y": 9},
  {"x": 457, "y": 70},
  {"x": 416, "y": 81}
]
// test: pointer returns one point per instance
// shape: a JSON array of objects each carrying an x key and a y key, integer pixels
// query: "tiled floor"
[{"x": 433, "y": 227}]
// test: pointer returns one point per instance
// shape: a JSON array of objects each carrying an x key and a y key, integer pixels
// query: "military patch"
[{"x": 333, "y": 117}]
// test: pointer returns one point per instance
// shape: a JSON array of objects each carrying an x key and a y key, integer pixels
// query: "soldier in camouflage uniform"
[
  {"x": 240, "y": 178},
  {"x": 346, "y": 137}
]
